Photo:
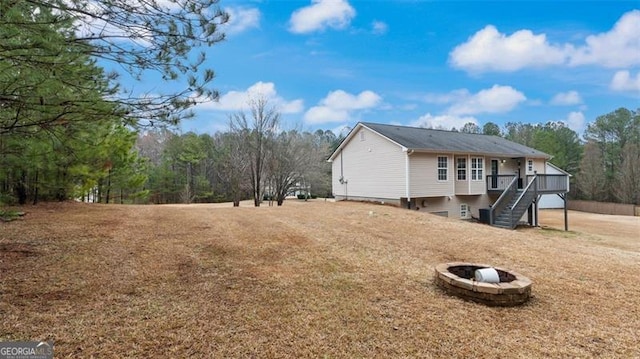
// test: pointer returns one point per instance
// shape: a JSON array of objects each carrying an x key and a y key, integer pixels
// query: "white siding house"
[
  {"x": 369, "y": 156},
  {"x": 449, "y": 173}
]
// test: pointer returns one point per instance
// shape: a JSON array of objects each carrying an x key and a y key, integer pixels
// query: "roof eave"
[
  {"x": 511, "y": 155},
  {"x": 559, "y": 169}
]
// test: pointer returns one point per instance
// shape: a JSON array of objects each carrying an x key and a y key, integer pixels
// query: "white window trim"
[
  {"x": 458, "y": 169},
  {"x": 530, "y": 166},
  {"x": 479, "y": 176},
  {"x": 438, "y": 168},
  {"x": 464, "y": 208}
]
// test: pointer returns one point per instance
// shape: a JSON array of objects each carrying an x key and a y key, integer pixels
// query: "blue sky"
[{"x": 329, "y": 64}]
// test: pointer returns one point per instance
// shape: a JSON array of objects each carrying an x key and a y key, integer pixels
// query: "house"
[{"x": 459, "y": 175}]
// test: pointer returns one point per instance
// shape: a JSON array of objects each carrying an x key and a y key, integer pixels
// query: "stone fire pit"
[{"x": 459, "y": 279}]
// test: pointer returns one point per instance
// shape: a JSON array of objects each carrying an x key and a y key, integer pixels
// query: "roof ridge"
[
  {"x": 427, "y": 129},
  {"x": 421, "y": 138}
]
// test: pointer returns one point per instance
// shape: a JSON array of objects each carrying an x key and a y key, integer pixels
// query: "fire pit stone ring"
[{"x": 459, "y": 278}]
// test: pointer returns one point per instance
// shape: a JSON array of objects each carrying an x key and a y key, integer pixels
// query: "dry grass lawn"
[
  {"x": 615, "y": 231},
  {"x": 309, "y": 279}
]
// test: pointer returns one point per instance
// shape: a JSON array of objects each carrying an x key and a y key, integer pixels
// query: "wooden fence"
[{"x": 604, "y": 208}]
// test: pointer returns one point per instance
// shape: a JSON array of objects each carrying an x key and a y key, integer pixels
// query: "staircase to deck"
[
  {"x": 512, "y": 204},
  {"x": 515, "y": 209}
]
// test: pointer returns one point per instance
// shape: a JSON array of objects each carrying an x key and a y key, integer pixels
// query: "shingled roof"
[{"x": 429, "y": 140}]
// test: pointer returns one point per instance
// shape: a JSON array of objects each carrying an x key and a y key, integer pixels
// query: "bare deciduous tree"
[
  {"x": 296, "y": 161},
  {"x": 234, "y": 165},
  {"x": 612, "y": 132},
  {"x": 591, "y": 179},
  {"x": 288, "y": 156},
  {"x": 627, "y": 189},
  {"x": 256, "y": 133}
]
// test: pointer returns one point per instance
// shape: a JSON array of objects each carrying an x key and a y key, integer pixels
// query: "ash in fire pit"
[{"x": 470, "y": 281}]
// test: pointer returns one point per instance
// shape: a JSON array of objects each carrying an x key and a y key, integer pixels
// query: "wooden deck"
[{"x": 545, "y": 184}]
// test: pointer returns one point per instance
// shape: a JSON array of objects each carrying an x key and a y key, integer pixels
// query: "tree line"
[{"x": 254, "y": 159}]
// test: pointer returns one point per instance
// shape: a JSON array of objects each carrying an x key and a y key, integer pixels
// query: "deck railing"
[
  {"x": 499, "y": 182},
  {"x": 544, "y": 183},
  {"x": 550, "y": 183}
]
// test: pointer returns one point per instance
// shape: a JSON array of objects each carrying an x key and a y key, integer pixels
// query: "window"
[
  {"x": 530, "y": 166},
  {"x": 462, "y": 168},
  {"x": 477, "y": 168},
  {"x": 442, "y": 168},
  {"x": 464, "y": 211}
]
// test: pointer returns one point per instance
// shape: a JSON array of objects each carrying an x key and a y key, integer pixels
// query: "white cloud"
[
  {"x": 497, "y": 99},
  {"x": 624, "y": 81},
  {"x": 167, "y": 4},
  {"x": 566, "y": 98},
  {"x": 241, "y": 19},
  {"x": 295, "y": 106},
  {"x": 324, "y": 114},
  {"x": 339, "y": 105},
  {"x": 379, "y": 27},
  {"x": 490, "y": 50},
  {"x": 321, "y": 14},
  {"x": 619, "y": 47},
  {"x": 238, "y": 100},
  {"x": 575, "y": 120},
  {"x": 345, "y": 101},
  {"x": 444, "y": 122},
  {"x": 91, "y": 24}
]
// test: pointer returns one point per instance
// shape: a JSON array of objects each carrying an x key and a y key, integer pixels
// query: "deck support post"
[{"x": 566, "y": 217}]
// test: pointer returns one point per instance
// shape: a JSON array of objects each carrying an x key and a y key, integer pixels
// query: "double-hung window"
[
  {"x": 477, "y": 168},
  {"x": 461, "y": 166},
  {"x": 442, "y": 168}
]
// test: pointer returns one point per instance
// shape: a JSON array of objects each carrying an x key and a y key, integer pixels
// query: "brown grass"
[{"x": 309, "y": 279}]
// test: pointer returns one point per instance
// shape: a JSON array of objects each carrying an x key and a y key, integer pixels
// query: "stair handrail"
[
  {"x": 525, "y": 190},
  {"x": 515, "y": 204},
  {"x": 501, "y": 198}
]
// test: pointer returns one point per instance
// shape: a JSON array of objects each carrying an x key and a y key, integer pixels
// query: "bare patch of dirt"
[{"x": 309, "y": 279}]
